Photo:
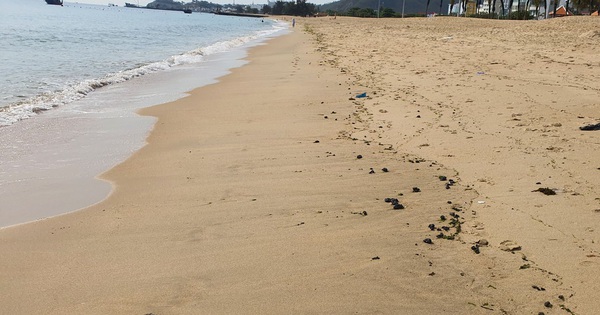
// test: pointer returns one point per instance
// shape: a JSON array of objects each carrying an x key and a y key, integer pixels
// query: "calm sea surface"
[{"x": 71, "y": 79}]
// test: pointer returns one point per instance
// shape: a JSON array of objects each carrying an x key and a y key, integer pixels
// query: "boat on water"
[
  {"x": 129, "y": 5},
  {"x": 55, "y": 2},
  {"x": 187, "y": 11}
]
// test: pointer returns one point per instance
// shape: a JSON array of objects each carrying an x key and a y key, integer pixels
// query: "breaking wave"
[{"x": 48, "y": 100}]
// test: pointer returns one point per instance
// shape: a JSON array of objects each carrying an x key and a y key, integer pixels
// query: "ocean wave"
[{"x": 48, "y": 100}]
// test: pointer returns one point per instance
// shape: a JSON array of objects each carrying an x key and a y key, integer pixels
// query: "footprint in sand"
[{"x": 588, "y": 263}]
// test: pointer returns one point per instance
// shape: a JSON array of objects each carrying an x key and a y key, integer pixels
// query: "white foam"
[
  {"x": 76, "y": 91},
  {"x": 49, "y": 164}
]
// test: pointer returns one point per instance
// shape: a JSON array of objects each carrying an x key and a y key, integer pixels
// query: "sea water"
[{"x": 71, "y": 79}]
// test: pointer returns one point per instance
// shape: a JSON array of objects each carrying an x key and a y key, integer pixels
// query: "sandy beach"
[{"x": 271, "y": 191}]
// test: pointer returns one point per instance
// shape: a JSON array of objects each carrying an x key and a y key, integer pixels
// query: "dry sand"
[{"x": 250, "y": 198}]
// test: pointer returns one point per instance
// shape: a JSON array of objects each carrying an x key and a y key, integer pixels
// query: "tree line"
[
  {"x": 298, "y": 8},
  {"x": 523, "y": 7},
  {"x": 496, "y": 8}
]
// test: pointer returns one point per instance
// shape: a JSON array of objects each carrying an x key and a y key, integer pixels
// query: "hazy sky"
[{"x": 144, "y": 2}]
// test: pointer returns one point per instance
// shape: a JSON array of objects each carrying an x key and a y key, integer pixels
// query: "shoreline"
[
  {"x": 254, "y": 172},
  {"x": 84, "y": 115},
  {"x": 254, "y": 200}
]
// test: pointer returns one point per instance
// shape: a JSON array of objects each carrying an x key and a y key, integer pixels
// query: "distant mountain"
[
  {"x": 410, "y": 6},
  {"x": 165, "y": 5},
  {"x": 194, "y": 5}
]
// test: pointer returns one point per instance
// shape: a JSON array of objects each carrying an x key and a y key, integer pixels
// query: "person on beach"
[{"x": 293, "y": 22}]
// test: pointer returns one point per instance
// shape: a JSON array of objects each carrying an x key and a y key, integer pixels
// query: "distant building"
[{"x": 560, "y": 11}]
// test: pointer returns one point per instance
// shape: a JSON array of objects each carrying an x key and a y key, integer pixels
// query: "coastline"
[
  {"x": 63, "y": 168},
  {"x": 250, "y": 198}
]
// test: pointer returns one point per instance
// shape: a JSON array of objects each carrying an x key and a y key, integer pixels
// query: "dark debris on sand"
[
  {"x": 546, "y": 191},
  {"x": 591, "y": 127},
  {"x": 396, "y": 205}
]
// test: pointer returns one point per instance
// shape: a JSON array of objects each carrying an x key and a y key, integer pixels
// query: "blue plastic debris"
[{"x": 361, "y": 95}]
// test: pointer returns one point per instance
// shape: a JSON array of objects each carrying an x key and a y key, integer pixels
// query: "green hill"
[{"x": 410, "y": 6}]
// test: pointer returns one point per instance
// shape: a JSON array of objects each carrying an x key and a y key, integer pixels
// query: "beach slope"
[{"x": 266, "y": 193}]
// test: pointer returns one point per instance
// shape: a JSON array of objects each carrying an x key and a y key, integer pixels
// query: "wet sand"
[{"x": 251, "y": 197}]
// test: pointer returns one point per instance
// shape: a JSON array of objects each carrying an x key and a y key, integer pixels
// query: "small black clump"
[
  {"x": 398, "y": 206},
  {"x": 416, "y": 189},
  {"x": 538, "y": 288},
  {"x": 546, "y": 191},
  {"x": 427, "y": 241},
  {"x": 431, "y": 226},
  {"x": 385, "y": 170},
  {"x": 475, "y": 248},
  {"x": 359, "y": 156}
]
